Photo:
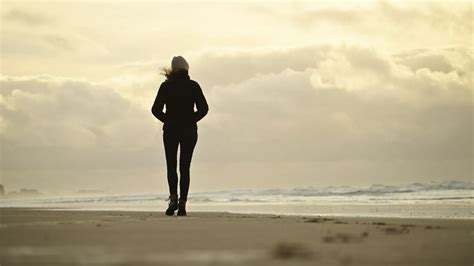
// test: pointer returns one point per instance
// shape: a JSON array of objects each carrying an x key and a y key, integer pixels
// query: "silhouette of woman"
[{"x": 179, "y": 93}]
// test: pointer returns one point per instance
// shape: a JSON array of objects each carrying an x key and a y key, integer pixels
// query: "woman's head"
[{"x": 178, "y": 65}]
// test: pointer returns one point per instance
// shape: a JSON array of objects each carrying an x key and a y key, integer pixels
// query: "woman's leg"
[
  {"x": 187, "y": 144},
  {"x": 171, "y": 150}
]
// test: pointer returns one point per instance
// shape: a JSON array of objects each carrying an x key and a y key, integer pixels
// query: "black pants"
[{"x": 186, "y": 140}]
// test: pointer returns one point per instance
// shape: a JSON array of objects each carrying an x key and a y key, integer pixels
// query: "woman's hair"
[{"x": 168, "y": 73}]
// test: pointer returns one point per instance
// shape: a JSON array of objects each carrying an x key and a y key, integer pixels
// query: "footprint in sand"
[
  {"x": 318, "y": 220},
  {"x": 345, "y": 238},
  {"x": 396, "y": 231},
  {"x": 286, "y": 251}
]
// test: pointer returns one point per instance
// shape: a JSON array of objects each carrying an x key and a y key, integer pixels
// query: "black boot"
[
  {"x": 173, "y": 205},
  {"x": 182, "y": 207}
]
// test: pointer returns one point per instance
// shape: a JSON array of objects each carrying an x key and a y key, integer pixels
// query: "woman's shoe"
[
  {"x": 182, "y": 207},
  {"x": 173, "y": 205}
]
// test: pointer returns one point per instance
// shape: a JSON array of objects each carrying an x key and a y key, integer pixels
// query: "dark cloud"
[
  {"x": 226, "y": 68},
  {"x": 25, "y": 18},
  {"x": 434, "y": 61}
]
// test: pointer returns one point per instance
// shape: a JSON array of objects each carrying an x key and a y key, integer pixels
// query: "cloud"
[
  {"x": 41, "y": 113},
  {"x": 373, "y": 92},
  {"x": 441, "y": 60},
  {"x": 349, "y": 107},
  {"x": 382, "y": 23},
  {"x": 61, "y": 133},
  {"x": 342, "y": 94},
  {"x": 434, "y": 15},
  {"x": 352, "y": 105},
  {"x": 29, "y": 34},
  {"x": 58, "y": 41},
  {"x": 235, "y": 67},
  {"x": 336, "y": 16},
  {"x": 25, "y": 18},
  {"x": 217, "y": 69}
]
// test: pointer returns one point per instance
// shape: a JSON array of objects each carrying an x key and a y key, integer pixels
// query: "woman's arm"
[
  {"x": 157, "y": 108},
  {"x": 201, "y": 104}
]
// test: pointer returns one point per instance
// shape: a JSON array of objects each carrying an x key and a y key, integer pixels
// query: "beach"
[{"x": 67, "y": 237}]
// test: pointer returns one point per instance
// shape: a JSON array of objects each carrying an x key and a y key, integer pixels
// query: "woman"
[{"x": 179, "y": 93}]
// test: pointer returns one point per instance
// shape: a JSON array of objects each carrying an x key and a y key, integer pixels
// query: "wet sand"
[{"x": 58, "y": 237}]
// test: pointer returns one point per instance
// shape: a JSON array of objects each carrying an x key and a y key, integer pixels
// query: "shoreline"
[
  {"x": 400, "y": 211},
  {"x": 267, "y": 214},
  {"x": 64, "y": 237}
]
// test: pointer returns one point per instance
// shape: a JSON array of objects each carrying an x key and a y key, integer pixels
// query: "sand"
[{"x": 59, "y": 237}]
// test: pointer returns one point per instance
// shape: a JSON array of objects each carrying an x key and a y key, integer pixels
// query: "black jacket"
[{"x": 179, "y": 93}]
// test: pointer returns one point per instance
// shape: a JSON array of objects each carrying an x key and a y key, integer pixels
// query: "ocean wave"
[
  {"x": 372, "y": 190},
  {"x": 432, "y": 191}
]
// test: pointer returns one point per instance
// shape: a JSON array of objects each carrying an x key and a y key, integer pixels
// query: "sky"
[{"x": 300, "y": 93}]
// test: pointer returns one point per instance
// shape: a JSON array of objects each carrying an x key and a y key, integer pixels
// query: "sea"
[{"x": 440, "y": 200}]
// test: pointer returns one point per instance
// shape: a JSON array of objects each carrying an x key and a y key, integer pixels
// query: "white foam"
[{"x": 452, "y": 193}]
